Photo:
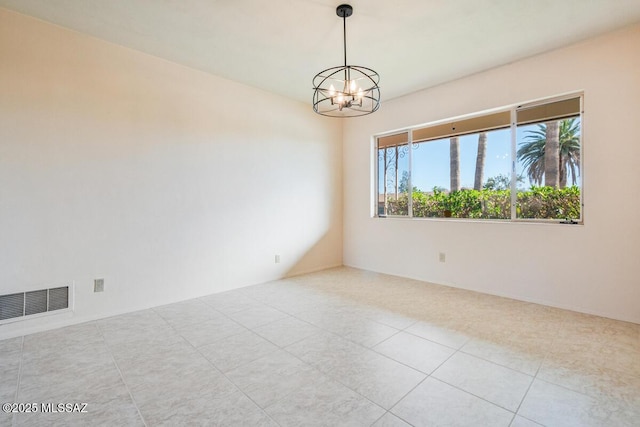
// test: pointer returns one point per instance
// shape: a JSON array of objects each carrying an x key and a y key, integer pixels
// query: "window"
[
  {"x": 548, "y": 161},
  {"x": 393, "y": 175},
  {"x": 523, "y": 163}
]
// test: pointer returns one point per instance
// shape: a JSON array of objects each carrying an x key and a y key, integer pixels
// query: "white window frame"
[{"x": 513, "y": 109}]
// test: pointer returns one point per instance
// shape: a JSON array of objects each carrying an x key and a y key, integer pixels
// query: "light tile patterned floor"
[{"x": 338, "y": 347}]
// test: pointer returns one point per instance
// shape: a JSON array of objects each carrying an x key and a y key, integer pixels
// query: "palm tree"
[
  {"x": 569, "y": 151},
  {"x": 552, "y": 154},
  {"x": 532, "y": 153},
  {"x": 454, "y": 163},
  {"x": 480, "y": 158}
]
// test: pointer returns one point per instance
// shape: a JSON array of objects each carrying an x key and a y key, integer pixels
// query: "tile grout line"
[
  {"x": 113, "y": 359},
  {"x": 436, "y": 342},
  {"x": 231, "y": 382},
  {"x": 544, "y": 359},
  {"x": 323, "y": 330},
  {"x": 461, "y": 350},
  {"x": 379, "y": 418},
  {"x": 334, "y": 334},
  {"x": 285, "y": 350},
  {"x": 474, "y": 395},
  {"x": 417, "y": 385},
  {"x": 176, "y": 329},
  {"x": 594, "y": 397},
  {"x": 370, "y": 349},
  {"x": 535, "y": 376},
  {"x": 332, "y": 378},
  {"x": 228, "y": 315},
  {"x": 416, "y": 369},
  {"x": 399, "y": 417},
  {"x": 349, "y": 339},
  {"x": 524, "y": 396},
  {"x": 388, "y": 338},
  {"x": 479, "y": 397},
  {"x": 501, "y": 364},
  {"x": 291, "y": 343},
  {"x": 197, "y": 350},
  {"x": 393, "y": 415},
  {"x": 326, "y": 331},
  {"x": 458, "y": 388},
  {"x": 294, "y": 315}
]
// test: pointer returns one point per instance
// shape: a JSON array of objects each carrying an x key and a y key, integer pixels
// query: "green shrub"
[
  {"x": 536, "y": 203},
  {"x": 549, "y": 202}
]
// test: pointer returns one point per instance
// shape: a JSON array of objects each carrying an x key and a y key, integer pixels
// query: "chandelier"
[{"x": 348, "y": 90}]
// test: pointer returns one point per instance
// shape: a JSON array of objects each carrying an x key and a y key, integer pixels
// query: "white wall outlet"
[
  {"x": 277, "y": 259},
  {"x": 98, "y": 285},
  {"x": 442, "y": 257}
]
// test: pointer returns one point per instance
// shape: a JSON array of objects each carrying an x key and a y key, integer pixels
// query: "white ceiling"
[{"x": 279, "y": 45}]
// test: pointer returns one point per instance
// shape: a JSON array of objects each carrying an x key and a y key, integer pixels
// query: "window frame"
[{"x": 512, "y": 126}]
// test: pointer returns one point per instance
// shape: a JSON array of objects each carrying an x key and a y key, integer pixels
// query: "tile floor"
[{"x": 342, "y": 347}]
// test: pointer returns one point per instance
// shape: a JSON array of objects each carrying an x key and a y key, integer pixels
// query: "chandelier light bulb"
[
  {"x": 353, "y": 86},
  {"x": 332, "y": 90}
]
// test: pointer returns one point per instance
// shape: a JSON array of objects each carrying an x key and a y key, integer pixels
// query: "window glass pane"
[
  {"x": 463, "y": 177},
  {"x": 393, "y": 180},
  {"x": 549, "y": 170}
]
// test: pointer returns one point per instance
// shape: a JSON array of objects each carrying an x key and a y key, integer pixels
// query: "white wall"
[
  {"x": 592, "y": 268},
  {"x": 167, "y": 182}
]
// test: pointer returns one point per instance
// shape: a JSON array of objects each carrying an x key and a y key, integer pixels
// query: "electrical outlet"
[
  {"x": 98, "y": 285},
  {"x": 442, "y": 257},
  {"x": 277, "y": 259}
]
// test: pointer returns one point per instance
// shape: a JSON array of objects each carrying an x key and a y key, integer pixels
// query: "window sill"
[{"x": 551, "y": 222}]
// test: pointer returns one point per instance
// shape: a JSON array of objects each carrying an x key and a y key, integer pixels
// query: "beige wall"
[
  {"x": 167, "y": 182},
  {"x": 592, "y": 268}
]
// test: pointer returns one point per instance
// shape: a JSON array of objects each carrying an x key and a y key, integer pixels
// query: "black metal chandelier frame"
[{"x": 351, "y": 99}]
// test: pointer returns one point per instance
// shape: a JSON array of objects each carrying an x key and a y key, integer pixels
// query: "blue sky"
[{"x": 431, "y": 160}]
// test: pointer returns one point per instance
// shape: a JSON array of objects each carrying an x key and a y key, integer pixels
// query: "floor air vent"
[{"x": 33, "y": 302}]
